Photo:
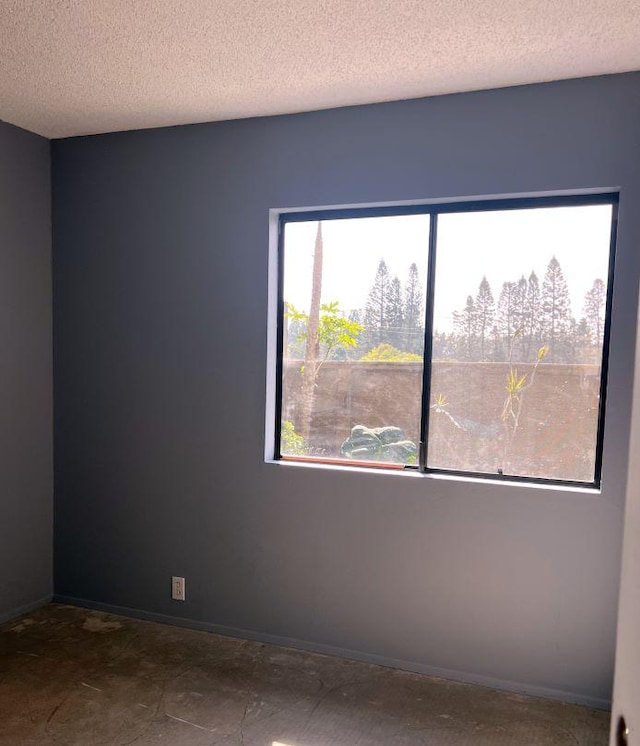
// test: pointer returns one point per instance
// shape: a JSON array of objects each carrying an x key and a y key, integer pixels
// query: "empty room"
[{"x": 320, "y": 384}]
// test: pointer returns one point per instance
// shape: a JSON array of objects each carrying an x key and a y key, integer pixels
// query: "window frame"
[{"x": 433, "y": 210}]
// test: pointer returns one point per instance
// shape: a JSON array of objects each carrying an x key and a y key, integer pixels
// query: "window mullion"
[{"x": 428, "y": 343}]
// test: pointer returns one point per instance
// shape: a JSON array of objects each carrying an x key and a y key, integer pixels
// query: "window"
[{"x": 467, "y": 338}]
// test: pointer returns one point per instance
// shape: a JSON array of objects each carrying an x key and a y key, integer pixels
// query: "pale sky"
[{"x": 503, "y": 245}]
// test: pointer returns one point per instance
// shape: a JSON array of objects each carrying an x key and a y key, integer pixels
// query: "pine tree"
[
  {"x": 484, "y": 308},
  {"x": 376, "y": 309},
  {"x": 465, "y": 326},
  {"x": 441, "y": 346},
  {"x": 413, "y": 312},
  {"x": 593, "y": 311},
  {"x": 356, "y": 315},
  {"x": 555, "y": 313},
  {"x": 295, "y": 337},
  {"x": 584, "y": 349},
  {"x": 506, "y": 319},
  {"x": 531, "y": 318},
  {"x": 395, "y": 315},
  {"x": 312, "y": 344},
  {"x": 519, "y": 318}
]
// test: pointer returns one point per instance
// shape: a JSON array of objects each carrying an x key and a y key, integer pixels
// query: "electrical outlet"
[{"x": 178, "y": 590}]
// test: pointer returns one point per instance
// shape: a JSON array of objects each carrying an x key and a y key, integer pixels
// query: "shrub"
[
  {"x": 291, "y": 443},
  {"x": 385, "y": 352}
]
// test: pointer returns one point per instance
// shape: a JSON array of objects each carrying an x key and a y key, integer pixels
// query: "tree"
[
  {"x": 506, "y": 320},
  {"x": 555, "y": 313},
  {"x": 484, "y": 308},
  {"x": 335, "y": 335},
  {"x": 465, "y": 325},
  {"x": 312, "y": 342},
  {"x": 443, "y": 346},
  {"x": 355, "y": 315},
  {"x": 593, "y": 311},
  {"x": 395, "y": 314},
  {"x": 296, "y": 333},
  {"x": 413, "y": 312},
  {"x": 376, "y": 308},
  {"x": 519, "y": 318},
  {"x": 335, "y": 331},
  {"x": 531, "y": 318},
  {"x": 582, "y": 343}
]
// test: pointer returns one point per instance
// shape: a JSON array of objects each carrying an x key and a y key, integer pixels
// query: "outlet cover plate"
[{"x": 178, "y": 589}]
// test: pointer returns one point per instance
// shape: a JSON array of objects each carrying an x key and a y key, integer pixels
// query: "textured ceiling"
[{"x": 70, "y": 67}]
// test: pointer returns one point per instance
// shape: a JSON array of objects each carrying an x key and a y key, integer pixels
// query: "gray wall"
[
  {"x": 26, "y": 417},
  {"x": 160, "y": 307}
]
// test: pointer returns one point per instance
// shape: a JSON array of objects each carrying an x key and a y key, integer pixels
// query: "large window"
[{"x": 464, "y": 338}]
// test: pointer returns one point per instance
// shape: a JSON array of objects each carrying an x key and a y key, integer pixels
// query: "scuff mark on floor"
[
  {"x": 22, "y": 625},
  {"x": 99, "y": 624},
  {"x": 95, "y": 688},
  {"x": 187, "y": 722}
]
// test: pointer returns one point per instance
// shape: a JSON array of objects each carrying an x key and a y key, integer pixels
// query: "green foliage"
[
  {"x": 335, "y": 331},
  {"x": 387, "y": 353},
  {"x": 441, "y": 401},
  {"x": 291, "y": 444},
  {"x": 515, "y": 383},
  {"x": 516, "y": 386}
]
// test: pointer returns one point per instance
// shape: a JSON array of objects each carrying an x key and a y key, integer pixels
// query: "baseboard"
[
  {"x": 463, "y": 677},
  {"x": 7, "y": 616}
]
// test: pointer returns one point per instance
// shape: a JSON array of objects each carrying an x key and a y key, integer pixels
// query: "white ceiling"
[{"x": 71, "y": 67}]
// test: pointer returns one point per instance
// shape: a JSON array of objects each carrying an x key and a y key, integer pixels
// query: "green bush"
[
  {"x": 386, "y": 353},
  {"x": 291, "y": 444}
]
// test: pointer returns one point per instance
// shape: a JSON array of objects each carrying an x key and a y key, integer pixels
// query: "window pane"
[
  {"x": 353, "y": 338},
  {"x": 519, "y": 313}
]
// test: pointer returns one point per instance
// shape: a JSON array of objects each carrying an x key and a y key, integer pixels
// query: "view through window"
[{"x": 514, "y": 298}]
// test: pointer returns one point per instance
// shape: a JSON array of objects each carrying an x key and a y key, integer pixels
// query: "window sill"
[{"x": 433, "y": 476}]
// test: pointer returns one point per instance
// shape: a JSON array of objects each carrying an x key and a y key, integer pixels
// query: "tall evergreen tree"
[
  {"x": 485, "y": 312},
  {"x": 413, "y": 312},
  {"x": 506, "y": 319},
  {"x": 355, "y": 315},
  {"x": 519, "y": 300},
  {"x": 584, "y": 350},
  {"x": 376, "y": 309},
  {"x": 556, "y": 319},
  {"x": 465, "y": 324},
  {"x": 312, "y": 345},
  {"x": 531, "y": 318},
  {"x": 593, "y": 311},
  {"x": 443, "y": 346},
  {"x": 395, "y": 314}
]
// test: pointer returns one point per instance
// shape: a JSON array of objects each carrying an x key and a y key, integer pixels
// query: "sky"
[{"x": 501, "y": 245}]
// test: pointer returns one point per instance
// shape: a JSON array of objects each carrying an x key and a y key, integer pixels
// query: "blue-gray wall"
[
  {"x": 26, "y": 417},
  {"x": 160, "y": 308}
]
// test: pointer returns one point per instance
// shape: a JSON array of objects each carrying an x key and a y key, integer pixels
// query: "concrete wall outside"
[{"x": 555, "y": 437}]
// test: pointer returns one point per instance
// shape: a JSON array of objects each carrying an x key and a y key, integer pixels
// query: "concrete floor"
[{"x": 70, "y": 676}]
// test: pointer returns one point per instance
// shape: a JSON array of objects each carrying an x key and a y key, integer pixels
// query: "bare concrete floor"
[{"x": 70, "y": 676}]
